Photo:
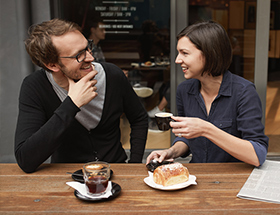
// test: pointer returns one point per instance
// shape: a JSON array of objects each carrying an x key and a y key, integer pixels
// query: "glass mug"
[{"x": 96, "y": 177}]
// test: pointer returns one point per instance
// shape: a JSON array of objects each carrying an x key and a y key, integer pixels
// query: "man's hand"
[{"x": 83, "y": 91}]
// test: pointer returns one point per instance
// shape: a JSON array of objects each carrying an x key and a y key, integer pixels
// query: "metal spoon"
[{"x": 76, "y": 174}]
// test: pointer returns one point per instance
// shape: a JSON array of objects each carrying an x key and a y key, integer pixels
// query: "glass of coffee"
[
  {"x": 96, "y": 177},
  {"x": 163, "y": 119}
]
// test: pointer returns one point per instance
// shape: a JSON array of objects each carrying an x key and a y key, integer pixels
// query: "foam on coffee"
[{"x": 163, "y": 114}]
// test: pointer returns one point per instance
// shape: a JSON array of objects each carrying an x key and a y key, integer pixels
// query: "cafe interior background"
[{"x": 253, "y": 27}]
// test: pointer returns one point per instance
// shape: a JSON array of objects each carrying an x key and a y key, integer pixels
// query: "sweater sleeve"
[
  {"x": 180, "y": 108},
  {"x": 137, "y": 117},
  {"x": 37, "y": 135}
]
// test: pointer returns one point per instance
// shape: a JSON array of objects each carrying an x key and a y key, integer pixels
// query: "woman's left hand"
[
  {"x": 188, "y": 127},
  {"x": 192, "y": 127}
]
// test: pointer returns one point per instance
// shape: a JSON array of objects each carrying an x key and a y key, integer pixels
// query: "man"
[
  {"x": 70, "y": 109},
  {"x": 97, "y": 33}
]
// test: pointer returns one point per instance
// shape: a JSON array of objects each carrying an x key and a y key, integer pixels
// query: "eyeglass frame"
[{"x": 89, "y": 48}]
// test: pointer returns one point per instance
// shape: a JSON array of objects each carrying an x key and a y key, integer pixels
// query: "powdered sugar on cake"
[{"x": 171, "y": 167}]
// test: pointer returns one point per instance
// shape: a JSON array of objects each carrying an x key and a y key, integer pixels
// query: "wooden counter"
[{"x": 46, "y": 192}]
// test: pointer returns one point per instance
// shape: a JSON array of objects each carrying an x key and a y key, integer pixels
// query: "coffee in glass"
[{"x": 96, "y": 177}]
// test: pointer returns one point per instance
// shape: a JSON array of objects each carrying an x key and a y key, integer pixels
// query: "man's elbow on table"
[{"x": 26, "y": 165}]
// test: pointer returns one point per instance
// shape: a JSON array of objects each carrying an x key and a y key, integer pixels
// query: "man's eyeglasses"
[{"x": 82, "y": 55}]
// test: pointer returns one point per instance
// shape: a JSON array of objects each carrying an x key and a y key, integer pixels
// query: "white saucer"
[{"x": 150, "y": 182}]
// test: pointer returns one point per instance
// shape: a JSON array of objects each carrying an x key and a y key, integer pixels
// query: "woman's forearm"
[
  {"x": 179, "y": 149},
  {"x": 241, "y": 149}
]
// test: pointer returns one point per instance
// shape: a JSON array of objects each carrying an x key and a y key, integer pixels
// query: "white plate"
[
  {"x": 150, "y": 182},
  {"x": 163, "y": 64},
  {"x": 144, "y": 65}
]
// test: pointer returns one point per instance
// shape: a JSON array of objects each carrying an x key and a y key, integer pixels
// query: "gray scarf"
[{"x": 91, "y": 113}]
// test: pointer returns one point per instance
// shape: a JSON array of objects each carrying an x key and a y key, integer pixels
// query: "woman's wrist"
[
  {"x": 208, "y": 130},
  {"x": 178, "y": 149},
  {"x": 170, "y": 152}
]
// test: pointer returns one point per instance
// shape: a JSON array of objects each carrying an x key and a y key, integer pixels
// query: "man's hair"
[
  {"x": 212, "y": 40},
  {"x": 39, "y": 43}
]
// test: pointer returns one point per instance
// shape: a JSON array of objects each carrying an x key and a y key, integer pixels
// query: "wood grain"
[{"x": 46, "y": 192}]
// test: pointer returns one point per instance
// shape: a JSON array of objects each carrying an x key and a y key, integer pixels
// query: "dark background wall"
[{"x": 15, "y": 18}]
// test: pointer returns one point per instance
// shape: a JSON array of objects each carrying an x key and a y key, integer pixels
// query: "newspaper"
[{"x": 263, "y": 183}]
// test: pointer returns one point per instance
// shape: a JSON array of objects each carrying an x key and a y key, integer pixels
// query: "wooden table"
[{"x": 45, "y": 192}]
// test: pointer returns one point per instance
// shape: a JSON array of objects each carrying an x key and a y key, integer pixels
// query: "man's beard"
[{"x": 65, "y": 71}]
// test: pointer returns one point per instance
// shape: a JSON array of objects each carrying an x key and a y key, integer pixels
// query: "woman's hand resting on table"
[
  {"x": 177, "y": 150},
  {"x": 160, "y": 155}
]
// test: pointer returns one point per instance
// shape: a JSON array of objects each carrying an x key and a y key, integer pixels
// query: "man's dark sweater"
[{"x": 47, "y": 127}]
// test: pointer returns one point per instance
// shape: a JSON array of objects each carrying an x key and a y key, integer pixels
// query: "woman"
[{"x": 219, "y": 112}]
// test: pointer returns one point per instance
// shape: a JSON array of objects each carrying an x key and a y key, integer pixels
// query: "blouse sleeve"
[{"x": 249, "y": 121}]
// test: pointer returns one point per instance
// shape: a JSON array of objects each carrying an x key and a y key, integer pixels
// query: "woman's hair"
[
  {"x": 212, "y": 40},
  {"x": 39, "y": 44}
]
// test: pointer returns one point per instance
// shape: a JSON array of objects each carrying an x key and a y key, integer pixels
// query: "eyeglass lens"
[{"x": 82, "y": 55}]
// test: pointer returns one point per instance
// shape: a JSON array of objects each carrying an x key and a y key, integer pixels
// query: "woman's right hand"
[
  {"x": 161, "y": 155},
  {"x": 178, "y": 149}
]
